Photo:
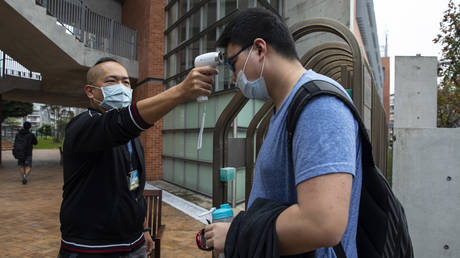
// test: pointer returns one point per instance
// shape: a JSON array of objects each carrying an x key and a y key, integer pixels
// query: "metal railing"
[
  {"x": 8, "y": 66},
  {"x": 94, "y": 30}
]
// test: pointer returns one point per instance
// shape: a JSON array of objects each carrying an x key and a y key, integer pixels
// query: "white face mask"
[
  {"x": 115, "y": 96},
  {"x": 252, "y": 90}
]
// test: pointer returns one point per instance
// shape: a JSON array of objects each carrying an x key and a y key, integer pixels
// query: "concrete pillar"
[
  {"x": 426, "y": 174},
  {"x": 415, "y": 92},
  {"x": 148, "y": 19}
]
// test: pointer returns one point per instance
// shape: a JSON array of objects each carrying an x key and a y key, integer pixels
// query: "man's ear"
[
  {"x": 89, "y": 91},
  {"x": 261, "y": 46}
]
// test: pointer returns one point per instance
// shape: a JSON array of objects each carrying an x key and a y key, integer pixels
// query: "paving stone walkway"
[{"x": 29, "y": 214}]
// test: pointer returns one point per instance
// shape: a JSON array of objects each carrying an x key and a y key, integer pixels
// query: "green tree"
[
  {"x": 45, "y": 130},
  {"x": 14, "y": 109},
  {"x": 62, "y": 116},
  {"x": 449, "y": 88}
]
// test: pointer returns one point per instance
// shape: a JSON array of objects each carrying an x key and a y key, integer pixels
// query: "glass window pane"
[
  {"x": 210, "y": 13},
  {"x": 193, "y": 3},
  {"x": 172, "y": 15},
  {"x": 193, "y": 51},
  {"x": 171, "y": 65},
  {"x": 172, "y": 40},
  {"x": 211, "y": 41},
  {"x": 194, "y": 27},
  {"x": 181, "y": 61},
  {"x": 182, "y": 31},
  {"x": 182, "y": 7},
  {"x": 226, "y": 6}
]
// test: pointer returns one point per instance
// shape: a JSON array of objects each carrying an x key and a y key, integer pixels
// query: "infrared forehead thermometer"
[{"x": 212, "y": 59}]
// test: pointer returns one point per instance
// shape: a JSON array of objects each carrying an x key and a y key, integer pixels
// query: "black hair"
[
  {"x": 254, "y": 23},
  {"x": 27, "y": 125},
  {"x": 105, "y": 59}
]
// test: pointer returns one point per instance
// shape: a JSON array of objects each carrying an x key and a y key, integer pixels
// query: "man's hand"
[
  {"x": 148, "y": 243},
  {"x": 197, "y": 83},
  {"x": 215, "y": 235}
]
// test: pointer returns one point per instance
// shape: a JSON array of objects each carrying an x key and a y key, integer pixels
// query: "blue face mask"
[
  {"x": 252, "y": 90},
  {"x": 115, "y": 96}
]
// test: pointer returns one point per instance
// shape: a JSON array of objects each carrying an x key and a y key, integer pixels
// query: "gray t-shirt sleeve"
[{"x": 325, "y": 139}]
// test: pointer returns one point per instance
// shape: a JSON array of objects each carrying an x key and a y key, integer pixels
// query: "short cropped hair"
[
  {"x": 105, "y": 59},
  {"x": 254, "y": 23},
  {"x": 27, "y": 125}
]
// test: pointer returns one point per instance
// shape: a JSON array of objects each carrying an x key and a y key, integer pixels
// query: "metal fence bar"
[
  {"x": 11, "y": 67},
  {"x": 94, "y": 30}
]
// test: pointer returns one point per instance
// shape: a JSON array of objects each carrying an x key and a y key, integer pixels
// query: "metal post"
[
  {"x": 111, "y": 37},
  {"x": 133, "y": 45},
  {"x": 234, "y": 192},
  {"x": 235, "y": 134},
  {"x": 3, "y": 65},
  {"x": 83, "y": 23}
]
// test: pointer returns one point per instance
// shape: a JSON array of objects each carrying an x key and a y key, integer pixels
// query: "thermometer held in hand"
[{"x": 212, "y": 59}]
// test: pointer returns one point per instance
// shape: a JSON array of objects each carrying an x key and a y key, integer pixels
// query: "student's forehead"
[{"x": 232, "y": 49}]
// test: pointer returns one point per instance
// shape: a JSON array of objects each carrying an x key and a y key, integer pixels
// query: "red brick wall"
[
  {"x": 147, "y": 17},
  {"x": 386, "y": 87}
]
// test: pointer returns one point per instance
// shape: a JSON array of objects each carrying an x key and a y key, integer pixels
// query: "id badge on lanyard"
[
  {"x": 133, "y": 183},
  {"x": 133, "y": 180}
]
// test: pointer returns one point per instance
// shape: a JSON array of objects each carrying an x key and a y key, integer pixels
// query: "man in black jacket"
[
  {"x": 22, "y": 150},
  {"x": 103, "y": 210}
]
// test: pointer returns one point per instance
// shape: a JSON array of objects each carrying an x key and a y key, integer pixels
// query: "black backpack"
[
  {"x": 382, "y": 226},
  {"x": 21, "y": 142}
]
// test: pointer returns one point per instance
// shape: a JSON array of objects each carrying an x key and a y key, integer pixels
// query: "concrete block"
[
  {"x": 426, "y": 179},
  {"x": 415, "y": 92}
]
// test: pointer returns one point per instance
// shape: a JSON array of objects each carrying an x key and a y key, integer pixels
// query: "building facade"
[{"x": 168, "y": 35}]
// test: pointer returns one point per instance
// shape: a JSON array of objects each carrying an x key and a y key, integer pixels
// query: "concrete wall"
[
  {"x": 415, "y": 92},
  {"x": 426, "y": 174},
  {"x": 108, "y": 8},
  {"x": 299, "y": 10},
  {"x": 426, "y": 179}
]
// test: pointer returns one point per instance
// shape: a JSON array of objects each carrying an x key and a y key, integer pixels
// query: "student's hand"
[
  {"x": 198, "y": 82},
  {"x": 215, "y": 235},
  {"x": 148, "y": 243}
]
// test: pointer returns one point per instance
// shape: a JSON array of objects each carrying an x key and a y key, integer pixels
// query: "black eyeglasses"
[{"x": 232, "y": 67}]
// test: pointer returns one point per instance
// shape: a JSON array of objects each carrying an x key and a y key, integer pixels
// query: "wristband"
[{"x": 147, "y": 230}]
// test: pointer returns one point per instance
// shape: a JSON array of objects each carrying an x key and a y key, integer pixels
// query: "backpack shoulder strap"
[
  {"x": 307, "y": 92},
  {"x": 315, "y": 88}
]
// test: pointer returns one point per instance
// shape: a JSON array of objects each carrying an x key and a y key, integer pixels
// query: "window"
[
  {"x": 209, "y": 13},
  {"x": 182, "y": 7},
  {"x": 182, "y": 29},
  {"x": 172, "y": 40},
  {"x": 172, "y": 15},
  {"x": 226, "y": 6}
]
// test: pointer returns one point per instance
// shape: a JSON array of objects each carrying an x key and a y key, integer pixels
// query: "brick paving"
[{"x": 29, "y": 214}]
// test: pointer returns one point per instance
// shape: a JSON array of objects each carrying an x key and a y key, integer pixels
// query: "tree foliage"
[
  {"x": 14, "y": 109},
  {"x": 449, "y": 88},
  {"x": 45, "y": 130},
  {"x": 62, "y": 116}
]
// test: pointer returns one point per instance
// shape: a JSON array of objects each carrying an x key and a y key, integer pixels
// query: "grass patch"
[{"x": 47, "y": 143}]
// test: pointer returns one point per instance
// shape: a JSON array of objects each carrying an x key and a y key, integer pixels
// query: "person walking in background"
[{"x": 22, "y": 150}]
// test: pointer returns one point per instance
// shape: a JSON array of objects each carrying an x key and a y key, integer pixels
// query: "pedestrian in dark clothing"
[{"x": 22, "y": 150}]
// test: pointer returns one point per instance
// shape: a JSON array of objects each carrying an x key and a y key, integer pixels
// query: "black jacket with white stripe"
[{"x": 99, "y": 214}]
